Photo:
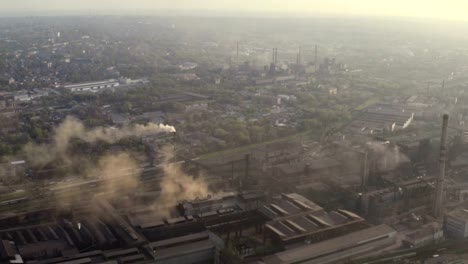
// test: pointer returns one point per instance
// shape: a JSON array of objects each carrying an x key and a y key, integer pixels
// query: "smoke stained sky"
[{"x": 445, "y": 9}]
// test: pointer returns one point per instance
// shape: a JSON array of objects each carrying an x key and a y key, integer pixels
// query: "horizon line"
[{"x": 170, "y": 12}]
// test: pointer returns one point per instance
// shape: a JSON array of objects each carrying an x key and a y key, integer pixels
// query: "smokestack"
[
  {"x": 437, "y": 209},
  {"x": 365, "y": 171}
]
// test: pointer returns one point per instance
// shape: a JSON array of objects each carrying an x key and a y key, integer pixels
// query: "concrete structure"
[
  {"x": 437, "y": 209},
  {"x": 427, "y": 235},
  {"x": 307, "y": 171},
  {"x": 456, "y": 224},
  {"x": 91, "y": 86},
  {"x": 379, "y": 118},
  {"x": 389, "y": 204},
  {"x": 337, "y": 249}
]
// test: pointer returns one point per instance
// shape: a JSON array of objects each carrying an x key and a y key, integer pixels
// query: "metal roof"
[{"x": 331, "y": 246}]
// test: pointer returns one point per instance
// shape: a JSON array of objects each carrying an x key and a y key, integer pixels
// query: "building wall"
[
  {"x": 456, "y": 228},
  {"x": 424, "y": 240},
  {"x": 91, "y": 86},
  {"x": 205, "y": 256}
]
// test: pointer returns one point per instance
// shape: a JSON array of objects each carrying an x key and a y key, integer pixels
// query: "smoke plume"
[
  {"x": 119, "y": 173},
  {"x": 39, "y": 155},
  {"x": 388, "y": 155},
  {"x": 177, "y": 186}
]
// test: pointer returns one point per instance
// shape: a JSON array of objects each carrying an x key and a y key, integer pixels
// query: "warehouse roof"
[{"x": 331, "y": 246}]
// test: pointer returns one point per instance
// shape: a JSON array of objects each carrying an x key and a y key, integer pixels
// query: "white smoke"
[
  {"x": 72, "y": 128},
  {"x": 388, "y": 156}
]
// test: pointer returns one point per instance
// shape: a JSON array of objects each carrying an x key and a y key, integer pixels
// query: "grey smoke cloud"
[{"x": 388, "y": 156}]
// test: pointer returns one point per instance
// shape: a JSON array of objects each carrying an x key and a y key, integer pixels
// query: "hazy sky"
[{"x": 447, "y": 9}]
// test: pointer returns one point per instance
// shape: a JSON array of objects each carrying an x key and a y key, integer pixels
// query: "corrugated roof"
[
  {"x": 179, "y": 240},
  {"x": 330, "y": 246},
  {"x": 77, "y": 261},
  {"x": 184, "y": 249}
]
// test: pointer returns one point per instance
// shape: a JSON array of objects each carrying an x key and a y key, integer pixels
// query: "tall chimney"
[
  {"x": 437, "y": 209},
  {"x": 365, "y": 171}
]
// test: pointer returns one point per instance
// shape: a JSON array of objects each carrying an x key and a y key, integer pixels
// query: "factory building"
[
  {"x": 295, "y": 220},
  {"x": 91, "y": 86},
  {"x": 226, "y": 214},
  {"x": 379, "y": 118},
  {"x": 62, "y": 243},
  {"x": 456, "y": 224},
  {"x": 203, "y": 247},
  {"x": 99, "y": 234},
  {"x": 307, "y": 171},
  {"x": 338, "y": 249},
  {"x": 54, "y": 240},
  {"x": 426, "y": 235}
]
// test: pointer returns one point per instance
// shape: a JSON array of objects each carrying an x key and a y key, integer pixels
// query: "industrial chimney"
[{"x": 437, "y": 209}]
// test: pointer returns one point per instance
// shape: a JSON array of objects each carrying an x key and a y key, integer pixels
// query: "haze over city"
[
  {"x": 233, "y": 132},
  {"x": 451, "y": 9}
]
